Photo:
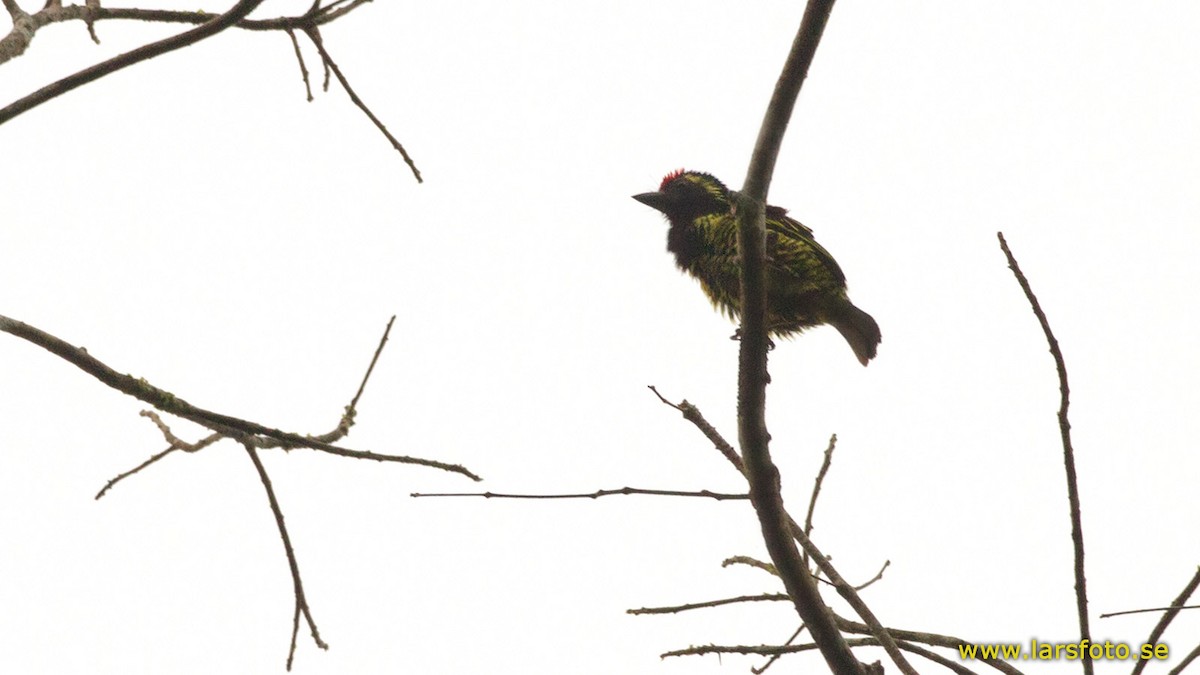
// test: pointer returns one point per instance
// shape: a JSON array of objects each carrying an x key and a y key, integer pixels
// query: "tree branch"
[
  {"x": 1156, "y": 633},
  {"x": 778, "y": 528},
  {"x": 1185, "y": 661},
  {"x": 848, "y": 592},
  {"x": 692, "y": 414},
  {"x": 779, "y": 650},
  {"x": 719, "y": 496},
  {"x": 314, "y": 34},
  {"x": 225, "y": 424},
  {"x": 17, "y": 41},
  {"x": 816, "y": 491},
  {"x": 301, "y": 599},
  {"x": 775, "y": 657},
  {"x": 24, "y": 27},
  {"x": 932, "y": 639},
  {"x": 1064, "y": 427},
  {"x": 763, "y": 597},
  {"x": 206, "y": 30}
]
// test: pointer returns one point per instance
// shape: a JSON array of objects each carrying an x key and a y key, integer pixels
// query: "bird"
[{"x": 805, "y": 285}]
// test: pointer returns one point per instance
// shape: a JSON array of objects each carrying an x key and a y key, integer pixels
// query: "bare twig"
[
  {"x": 816, "y": 491},
  {"x": 1177, "y": 605},
  {"x": 746, "y": 650},
  {"x": 849, "y": 594},
  {"x": 877, "y": 577},
  {"x": 302, "y": 607},
  {"x": 901, "y": 638},
  {"x": 217, "y": 24},
  {"x": 904, "y": 639},
  {"x": 692, "y": 414},
  {"x": 775, "y": 657},
  {"x": 168, "y": 402},
  {"x": 303, "y": 68},
  {"x": 347, "y": 421},
  {"x": 789, "y": 648},
  {"x": 17, "y": 41},
  {"x": 719, "y": 496},
  {"x": 1064, "y": 427},
  {"x": 25, "y": 26},
  {"x": 750, "y": 562},
  {"x": 14, "y": 10},
  {"x": 89, "y": 19},
  {"x": 21, "y": 33},
  {"x": 174, "y": 443},
  {"x": 768, "y": 567},
  {"x": 847, "y": 591},
  {"x": 776, "y": 651},
  {"x": 935, "y": 657},
  {"x": 932, "y": 639},
  {"x": 387, "y": 330},
  {"x": 762, "y": 650},
  {"x": 763, "y": 597},
  {"x": 122, "y": 476},
  {"x": 1185, "y": 661},
  {"x": 314, "y": 34},
  {"x": 1150, "y": 610}
]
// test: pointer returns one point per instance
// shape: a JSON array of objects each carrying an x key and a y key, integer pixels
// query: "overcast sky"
[{"x": 193, "y": 221}]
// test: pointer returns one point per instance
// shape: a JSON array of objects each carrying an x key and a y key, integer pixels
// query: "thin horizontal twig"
[
  {"x": 719, "y": 496},
  {"x": 675, "y": 609}
]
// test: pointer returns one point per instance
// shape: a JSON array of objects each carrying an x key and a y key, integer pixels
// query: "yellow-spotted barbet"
[{"x": 805, "y": 286}]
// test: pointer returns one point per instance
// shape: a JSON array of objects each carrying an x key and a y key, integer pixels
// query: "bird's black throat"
[{"x": 685, "y": 243}]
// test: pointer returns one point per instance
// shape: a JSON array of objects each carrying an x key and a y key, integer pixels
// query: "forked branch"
[
  {"x": 233, "y": 427},
  {"x": 26, "y": 25},
  {"x": 205, "y": 30}
]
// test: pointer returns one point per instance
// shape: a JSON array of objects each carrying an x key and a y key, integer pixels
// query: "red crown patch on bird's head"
[{"x": 670, "y": 177}]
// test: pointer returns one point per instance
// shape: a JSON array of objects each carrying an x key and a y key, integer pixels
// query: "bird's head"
[{"x": 684, "y": 195}]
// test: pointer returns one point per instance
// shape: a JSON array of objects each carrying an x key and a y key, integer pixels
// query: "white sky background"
[{"x": 193, "y": 221}]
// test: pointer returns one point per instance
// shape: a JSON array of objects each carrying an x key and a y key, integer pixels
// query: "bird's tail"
[{"x": 860, "y": 331}]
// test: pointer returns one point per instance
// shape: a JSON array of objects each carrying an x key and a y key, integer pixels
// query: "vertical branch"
[
  {"x": 753, "y": 437},
  {"x": 301, "y": 607},
  {"x": 816, "y": 491},
  {"x": 1064, "y": 427},
  {"x": 783, "y": 100}
]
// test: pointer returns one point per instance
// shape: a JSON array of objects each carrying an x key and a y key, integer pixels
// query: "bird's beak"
[{"x": 655, "y": 200}]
